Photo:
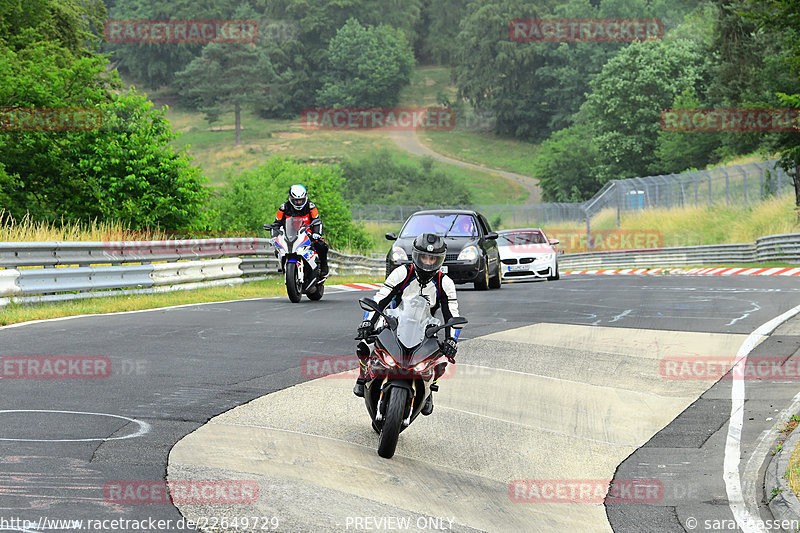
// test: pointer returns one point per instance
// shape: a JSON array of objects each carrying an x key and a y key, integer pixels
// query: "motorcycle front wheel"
[
  {"x": 293, "y": 283},
  {"x": 392, "y": 421}
]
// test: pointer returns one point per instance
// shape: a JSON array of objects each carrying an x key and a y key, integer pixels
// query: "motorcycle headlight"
[
  {"x": 385, "y": 358},
  {"x": 470, "y": 253},
  {"x": 398, "y": 254},
  {"x": 422, "y": 366}
]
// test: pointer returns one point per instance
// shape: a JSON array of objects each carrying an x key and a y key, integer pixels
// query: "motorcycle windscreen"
[
  {"x": 413, "y": 316},
  {"x": 294, "y": 226}
]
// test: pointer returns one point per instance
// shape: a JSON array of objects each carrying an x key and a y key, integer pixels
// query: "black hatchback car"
[{"x": 472, "y": 255}]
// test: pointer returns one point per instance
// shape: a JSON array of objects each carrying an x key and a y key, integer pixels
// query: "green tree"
[
  {"x": 227, "y": 76},
  {"x": 379, "y": 179},
  {"x": 565, "y": 166},
  {"x": 125, "y": 169},
  {"x": 439, "y": 28},
  {"x": 781, "y": 18},
  {"x": 302, "y": 61},
  {"x": 155, "y": 64},
  {"x": 535, "y": 88},
  {"x": 367, "y": 67},
  {"x": 252, "y": 198},
  {"x": 678, "y": 151},
  {"x": 73, "y": 25},
  {"x": 628, "y": 96}
]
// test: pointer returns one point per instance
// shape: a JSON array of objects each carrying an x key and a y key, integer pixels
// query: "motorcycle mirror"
[
  {"x": 456, "y": 322},
  {"x": 368, "y": 304}
]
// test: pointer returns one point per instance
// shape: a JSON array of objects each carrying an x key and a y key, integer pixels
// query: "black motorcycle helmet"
[{"x": 427, "y": 255}]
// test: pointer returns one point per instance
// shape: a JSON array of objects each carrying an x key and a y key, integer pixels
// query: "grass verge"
[
  {"x": 483, "y": 148},
  {"x": 15, "y": 313}
]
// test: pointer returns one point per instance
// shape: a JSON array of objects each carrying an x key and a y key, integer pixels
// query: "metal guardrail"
[
  {"x": 51, "y": 271},
  {"x": 784, "y": 248}
]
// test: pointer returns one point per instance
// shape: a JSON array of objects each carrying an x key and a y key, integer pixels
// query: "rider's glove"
[
  {"x": 316, "y": 236},
  {"x": 364, "y": 330},
  {"x": 448, "y": 347},
  {"x": 267, "y": 226}
]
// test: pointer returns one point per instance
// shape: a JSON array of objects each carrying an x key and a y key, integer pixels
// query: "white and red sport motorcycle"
[{"x": 298, "y": 260}]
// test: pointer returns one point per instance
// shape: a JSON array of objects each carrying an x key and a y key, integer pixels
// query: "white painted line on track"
[
  {"x": 341, "y": 288},
  {"x": 144, "y": 427},
  {"x": 745, "y": 512},
  {"x": 57, "y": 319}
]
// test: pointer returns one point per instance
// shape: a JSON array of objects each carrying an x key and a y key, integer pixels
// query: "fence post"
[
  {"x": 588, "y": 232},
  {"x": 744, "y": 183},
  {"x": 727, "y": 186}
]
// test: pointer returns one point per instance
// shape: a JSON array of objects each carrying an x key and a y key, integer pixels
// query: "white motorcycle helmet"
[{"x": 298, "y": 196}]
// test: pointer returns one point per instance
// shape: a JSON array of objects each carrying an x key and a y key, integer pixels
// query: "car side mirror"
[
  {"x": 554, "y": 241},
  {"x": 492, "y": 235},
  {"x": 390, "y": 237}
]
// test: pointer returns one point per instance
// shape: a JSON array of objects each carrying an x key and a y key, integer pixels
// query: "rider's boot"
[
  {"x": 321, "y": 247},
  {"x": 362, "y": 351},
  {"x": 428, "y": 407}
]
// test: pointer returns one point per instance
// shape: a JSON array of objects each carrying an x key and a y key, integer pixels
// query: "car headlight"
[
  {"x": 398, "y": 254},
  {"x": 470, "y": 253}
]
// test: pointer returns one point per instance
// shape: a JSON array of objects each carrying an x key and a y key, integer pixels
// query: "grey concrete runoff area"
[{"x": 570, "y": 409}]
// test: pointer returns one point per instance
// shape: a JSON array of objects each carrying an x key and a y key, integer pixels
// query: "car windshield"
[
  {"x": 520, "y": 238},
  {"x": 450, "y": 225}
]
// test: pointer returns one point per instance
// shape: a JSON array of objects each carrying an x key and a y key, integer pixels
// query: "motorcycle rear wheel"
[
  {"x": 392, "y": 421},
  {"x": 293, "y": 283}
]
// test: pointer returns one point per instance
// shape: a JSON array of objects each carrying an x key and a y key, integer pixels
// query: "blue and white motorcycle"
[{"x": 297, "y": 259}]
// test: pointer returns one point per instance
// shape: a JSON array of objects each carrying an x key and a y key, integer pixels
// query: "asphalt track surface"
[{"x": 175, "y": 369}]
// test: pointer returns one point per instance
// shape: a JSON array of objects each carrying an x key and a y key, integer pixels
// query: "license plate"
[
  {"x": 518, "y": 268},
  {"x": 444, "y": 269}
]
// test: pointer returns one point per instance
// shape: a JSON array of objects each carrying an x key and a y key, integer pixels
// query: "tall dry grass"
[
  {"x": 689, "y": 226},
  {"x": 29, "y": 230}
]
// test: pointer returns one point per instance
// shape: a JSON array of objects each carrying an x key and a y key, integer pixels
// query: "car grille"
[
  {"x": 526, "y": 260},
  {"x": 511, "y": 261}
]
